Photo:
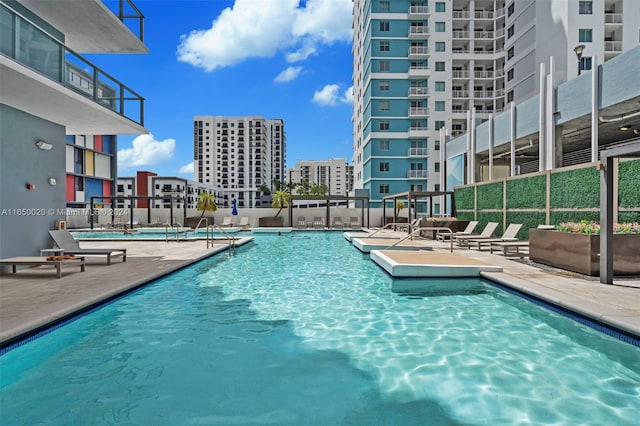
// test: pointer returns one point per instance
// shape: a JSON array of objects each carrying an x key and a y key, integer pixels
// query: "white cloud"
[
  {"x": 329, "y": 95},
  {"x": 186, "y": 169},
  {"x": 146, "y": 151},
  {"x": 289, "y": 74},
  {"x": 262, "y": 28}
]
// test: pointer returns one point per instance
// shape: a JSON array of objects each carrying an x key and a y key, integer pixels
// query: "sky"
[{"x": 285, "y": 59}]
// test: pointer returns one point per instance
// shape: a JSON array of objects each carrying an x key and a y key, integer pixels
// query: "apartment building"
[
  {"x": 420, "y": 67},
  {"x": 236, "y": 155},
  {"x": 45, "y": 99},
  {"x": 334, "y": 173}
]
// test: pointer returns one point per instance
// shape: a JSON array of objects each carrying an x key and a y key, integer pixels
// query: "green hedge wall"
[
  {"x": 465, "y": 216},
  {"x": 578, "y": 188},
  {"x": 464, "y": 198},
  {"x": 486, "y": 217},
  {"x": 626, "y": 217},
  {"x": 629, "y": 184},
  {"x": 527, "y": 193},
  {"x": 528, "y": 220},
  {"x": 490, "y": 196},
  {"x": 557, "y": 217}
]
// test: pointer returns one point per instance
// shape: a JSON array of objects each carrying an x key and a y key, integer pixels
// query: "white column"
[
  {"x": 595, "y": 99},
  {"x": 550, "y": 122},
  {"x": 472, "y": 131},
  {"x": 469, "y": 152},
  {"x": 490, "y": 146},
  {"x": 541, "y": 119},
  {"x": 512, "y": 137}
]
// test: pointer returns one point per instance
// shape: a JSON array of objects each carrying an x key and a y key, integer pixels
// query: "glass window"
[
  {"x": 510, "y": 53},
  {"x": 440, "y": 7},
  {"x": 440, "y": 87},
  {"x": 585, "y": 7},
  {"x": 439, "y": 66},
  {"x": 436, "y": 145},
  {"x": 436, "y": 167},
  {"x": 439, "y": 124},
  {"x": 439, "y": 105},
  {"x": 384, "y": 86},
  {"x": 384, "y": 166},
  {"x": 384, "y": 6},
  {"x": 510, "y": 75},
  {"x": 384, "y": 105},
  {"x": 384, "y": 66},
  {"x": 584, "y": 35},
  {"x": 510, "y": 96},
  {"x": 384, "y": 26},
  {"x": 511, "y": 9},
  {"x": 510, "y": 31},
  {"x": 384, "y": 145},
  {"x": 585, "y": 64},
  {"x": 384, "y": 46},
  {"x": 440, "y": 46},
  {"x": 384, "y": 125},
  {"x": 440, "y": 27},
  {"x": 384, "y": 188}
]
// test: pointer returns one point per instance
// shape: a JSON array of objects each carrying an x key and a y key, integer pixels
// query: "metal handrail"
[
  {"x": 426, "y": 228},
  {"x": 175, "y": 230},
  {"x": 206, "y": 224},
  {"x": 230, "y": 238}
]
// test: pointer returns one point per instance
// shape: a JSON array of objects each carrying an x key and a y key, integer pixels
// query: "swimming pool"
[{"x": 304, "y": 329}]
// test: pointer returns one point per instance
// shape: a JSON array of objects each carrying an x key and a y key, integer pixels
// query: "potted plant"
[
  {"x": 205, "y": 203},
  {"x": 575, "y": 246},
  {"x": 279, "y": 200}
]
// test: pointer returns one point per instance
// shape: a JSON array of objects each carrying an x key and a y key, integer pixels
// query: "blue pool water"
[{"x": 302, "y": 329}]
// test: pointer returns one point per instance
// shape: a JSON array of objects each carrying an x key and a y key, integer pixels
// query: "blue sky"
[{"x": 273, "y": 58}]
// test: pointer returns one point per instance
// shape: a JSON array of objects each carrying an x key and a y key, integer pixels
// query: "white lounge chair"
[
  {"x": 510, "y": 234},
  {"x": 444, "y": 236},
  {"x": 301, "y": 222},
  {"x": 354, "y": 222},
  {"x": 318, "y": 222},
  {"x": 337, "y": 222},
  {"x": 66, "y": 242},
  {"x": 227, "y": 221},
  {"x": 244, "y": 222},
  {"x": 487, "y": 232}
]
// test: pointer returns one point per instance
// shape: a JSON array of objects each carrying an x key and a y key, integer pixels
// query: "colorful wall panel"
[
  {"x": 97, "y": 142},
  {"x": 89, "y": 164},
  {"x": 71, "y": 188}
]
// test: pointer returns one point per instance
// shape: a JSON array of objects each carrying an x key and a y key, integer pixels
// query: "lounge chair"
[
  {"x": 66, "y": 242},
  {"x": 302, "y": 222},
  {"x": 227, "y": 221},
  {"x": 510, "y": 234},
  {"x": 244, "y": 223},
  {"x": 318, "y": 223},
  {"x": 444, "y": 236},
  {"x": 354, "y": 222},
  {"x": 337, "y": 222},
  {"x": 487, "y": 232}
]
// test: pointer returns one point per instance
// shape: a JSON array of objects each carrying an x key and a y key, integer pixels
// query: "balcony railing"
[
  {"x": 128, "y": 10},
  {"x": 461, "y": 14},
  {"x": 613, "y": 46},
  {"x": 418, "y": 50},
  {"x": 418, "y": 31},
  {"x": 418, "y": 10},
  {"x": 460, "y": 94},
  {"x": 418, "y": 152},
  {"x": 417, "y": 174},
  {"x": 418, "y": 112},
  {"x": 460, "y": 74},
  {"x": 461, "y": 34},
  {"x": 483, "y": 94},
  {"x": 612, "y": 18},
  {"x": 35, "y": 49},
  {"x": 418, "y": 91}
]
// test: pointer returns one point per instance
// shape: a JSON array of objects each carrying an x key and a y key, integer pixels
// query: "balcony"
[
  {"x": 483, "y": 34},
  {"x": 613, "y": 18},
  {"x": 418, "y": 12},
  {"x": 460, "y": 94},
  {"x": 460, "y": 74},
  {"x": 418, "y": 112},
  {"x": 419, "y": 132},
  {"x": 417, "y": 174},
  {"x": 613, "y": 46},
  {"x": 418, "y": 52},
  {"x": 418, "y": 92},
  {"x": 460, "y": 14},
  {"x": 419, "y": 32},
  {"x": 461, "y": 34},
  {"x": 46, "y": 79},
  {"x": 419, "y": 71},
  {"x": 483, "y": 94},
  {"x": 418, "y": 152}
]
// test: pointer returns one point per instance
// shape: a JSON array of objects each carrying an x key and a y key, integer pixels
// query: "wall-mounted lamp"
[
  {"x": 624, "y": 127},
  {"x": 44, "y": 145},
  {"x": 53, "y": 181},
  {"x": 31, "y": 186},
  {"x": 579, "y": 49}
]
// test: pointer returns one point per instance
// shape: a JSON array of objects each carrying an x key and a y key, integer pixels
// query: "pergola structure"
[
  {"x": 131, "y": 198},
  {"x": 412, "y": 198},
  {"x": 328, "y": 198},
  {"x": 630, "y": 150}
]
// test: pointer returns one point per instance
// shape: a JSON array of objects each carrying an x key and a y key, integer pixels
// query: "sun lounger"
[
  {"x": 510, "y": 247},
  {"x": 444, "y": 236},
  {"x": 354, "y": 222},
  {"x": 65, "y": 241},
  {"x": 244, "y": 222},
  {"x": 337, "y": 222},
  {"x": 487, "y": 232},
  {"x": 318, "y": 223},
  {"x": 301, "y": 222},
  {"x": 56, "y": 261},
  {"x": 227, "y": 221},
  {"x": 510, "y": 234}
]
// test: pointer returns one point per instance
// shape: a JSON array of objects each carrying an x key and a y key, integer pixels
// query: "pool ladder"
[
  {"x": 175, "y": 229},
  {"x": 417, "y": 232},
  {"x": 231, "y": 240},
  {"x": 209, "y": 235}
]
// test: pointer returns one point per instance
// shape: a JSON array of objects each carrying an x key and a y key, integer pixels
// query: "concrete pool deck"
[{"x": 33, "y": 297}]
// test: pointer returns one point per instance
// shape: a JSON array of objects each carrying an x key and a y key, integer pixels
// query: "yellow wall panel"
[{"x": 89, "y": 170}]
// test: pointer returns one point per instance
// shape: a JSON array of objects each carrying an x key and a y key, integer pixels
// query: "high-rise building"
[
  {"x": 334, "y": 173},
  {"x": 236, "y": 155},
  {"x": 420, "y": 67},
  {"x": 49, "y": 91}
]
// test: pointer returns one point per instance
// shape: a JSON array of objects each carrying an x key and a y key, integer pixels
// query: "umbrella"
[{"x": 234, "y": 209}]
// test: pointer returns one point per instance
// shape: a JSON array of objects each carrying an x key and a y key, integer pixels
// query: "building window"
[
  {"x": 439, "y": 106},
  {"x": 440, "y": 27},
  {"x": 585, "y": 64},
  {"x": 383, "y": 105},
  {"x": 384, "y": 6},
  {"x": 511, "y": 9},
  {"x": 510, "y": 31},
  {"x": 440, "y": 46},
  {"x": 79, "y": 183},
  {"x": 436, "y": 167},
  {"x": 436, "y": 188},
  {"x": 384, "y": 86},
  {"x": 510, "y": 53},
  {"x": 384, "y": 26},
  {"x": 384, "y": 166},
  {"x": 439, "y": 124},
  {"x": 510, "y": 96},
  {"x": 510, "y": 75},
  {"x": 384, "y": 125},
  {"x": 384, "y": 66},
  {"x": 384, "y": 188},
  {"x": 440, "y": 7},
  {"x": 585, "y": 7},
  {"x": 439, "y": 66},
  {"x": 384, "y": 145},
  {"x": 436, "y": 145},
  {"x": 384, "y": 46},
  {"x": 584, "y": 35},
  {"x": 440, "y": 86}
]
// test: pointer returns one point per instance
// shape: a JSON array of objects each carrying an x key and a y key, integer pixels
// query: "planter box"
[
  {"x": 581, "y": 252},
  {"x": 271, "y": 222}
]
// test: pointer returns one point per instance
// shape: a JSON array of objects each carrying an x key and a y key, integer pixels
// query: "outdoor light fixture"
[
  {"x": 624, "y": 127},
  {"x": 53, "y": 181},
  {"x": 44, "y": 145},
  {"x": 579, "y": 49}
]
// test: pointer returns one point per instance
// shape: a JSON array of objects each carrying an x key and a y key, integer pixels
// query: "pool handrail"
[
  {"x": 230, "y": 238},
  {"x": 425, "y": 228}
]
